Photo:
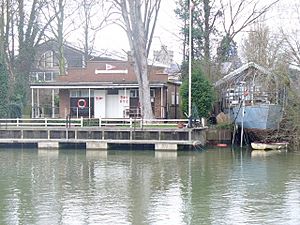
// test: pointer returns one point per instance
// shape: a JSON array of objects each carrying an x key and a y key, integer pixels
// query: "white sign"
[
  {"x": 109, "y": 67},
  {"x": 110, "y": 71}
]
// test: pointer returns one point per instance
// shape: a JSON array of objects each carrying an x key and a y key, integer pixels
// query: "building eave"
[
  {"x": 238, "y": 71},
  {"x": 92, "y": 85}
]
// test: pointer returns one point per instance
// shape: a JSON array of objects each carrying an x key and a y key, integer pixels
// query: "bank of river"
[{"x": 214, "y": 186}]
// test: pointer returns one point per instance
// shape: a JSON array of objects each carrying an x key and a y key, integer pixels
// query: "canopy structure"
[{"x": 240, "y": 72}]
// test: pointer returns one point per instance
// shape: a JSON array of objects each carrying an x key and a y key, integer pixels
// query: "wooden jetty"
[{"x": 100, "y": 134}]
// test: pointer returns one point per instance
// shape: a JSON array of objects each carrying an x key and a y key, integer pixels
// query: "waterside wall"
[{"x": 104, "y": 137}]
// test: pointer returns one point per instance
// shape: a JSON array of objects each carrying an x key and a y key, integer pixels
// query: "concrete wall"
[{"x": 214, "y": 136}]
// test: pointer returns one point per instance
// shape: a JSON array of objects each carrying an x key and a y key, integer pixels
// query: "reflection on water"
[
  {"x": 166, "y": 154},
  {"x": 261, "y": 153},
  {"x": 216, "y": 186},
  {"x": 96, "y": 155},
  {"x": 48, "y": 153}
]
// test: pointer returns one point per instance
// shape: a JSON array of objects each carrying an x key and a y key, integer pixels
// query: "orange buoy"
[{"x": 222, "y": 145}]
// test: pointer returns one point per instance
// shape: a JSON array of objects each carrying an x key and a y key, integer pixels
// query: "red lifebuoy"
[{"x": 81, "y": 103}]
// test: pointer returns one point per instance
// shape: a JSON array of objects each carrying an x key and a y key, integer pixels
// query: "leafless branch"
[{"x": 239, "y": 18}]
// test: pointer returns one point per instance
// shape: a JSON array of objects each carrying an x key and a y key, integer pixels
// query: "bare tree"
[
  {"x": 7, "y": 36},
  {"x": 63, "y": 14},
  {"x": 30, "y": 31},
  {"x": 95, "y": 16},
  {"x": 240, "y": 14},
  {"x": 4, "y": 81},
  {"x": 22, "y": 28},
  {"x": 263, "y": 47},
  {"x": 236, "y": 17},
  {"x": 268, "y": 50},
  {"x": 273, "y": 51},
  {"x": 292, "y": 36},
  {"x": 139, "y": 21},
  {"x": 58, "y": 32}
]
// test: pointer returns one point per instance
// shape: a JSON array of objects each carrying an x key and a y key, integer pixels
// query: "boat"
[
  {"x": 269, "y": 146},
  {"x": 252, "y": 97},
  {"x": 258, "y": 116}
]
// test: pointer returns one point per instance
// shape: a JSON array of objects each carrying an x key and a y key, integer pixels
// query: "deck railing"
[{"x": 97, "y": 122}]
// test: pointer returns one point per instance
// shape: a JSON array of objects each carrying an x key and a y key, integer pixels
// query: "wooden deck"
[{"x": 162, "y": 136}]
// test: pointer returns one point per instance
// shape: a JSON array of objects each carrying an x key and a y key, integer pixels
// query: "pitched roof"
[{"x": 238, "y": 71}]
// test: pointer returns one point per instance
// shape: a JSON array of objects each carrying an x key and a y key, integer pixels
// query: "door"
[
  {"x": 99, "y": 103},
  {"x": 113, "y": 109}
]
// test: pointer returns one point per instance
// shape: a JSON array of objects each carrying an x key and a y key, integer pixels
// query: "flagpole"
[
  {"x": 190, "y": 58},
  {"x": 243, "y": 112}
]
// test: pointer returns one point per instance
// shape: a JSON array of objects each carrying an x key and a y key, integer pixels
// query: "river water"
[{"x": 213, "y": 186}]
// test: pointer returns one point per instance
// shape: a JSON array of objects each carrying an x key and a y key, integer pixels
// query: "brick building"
[{"x": 106, "y": 89}]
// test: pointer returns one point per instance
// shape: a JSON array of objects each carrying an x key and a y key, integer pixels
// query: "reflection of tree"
[{"x": 200, "y": 187}]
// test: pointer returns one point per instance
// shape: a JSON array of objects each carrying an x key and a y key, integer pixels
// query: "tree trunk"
[
  {"x": 60, "y": 38},
  {"x": 141, "y": 71},
  {"x": 3, "y": 70},
  {"x": 139, "y": 32}
]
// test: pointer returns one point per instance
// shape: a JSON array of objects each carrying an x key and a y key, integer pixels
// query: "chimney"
[{"x": 129, "y": 56}]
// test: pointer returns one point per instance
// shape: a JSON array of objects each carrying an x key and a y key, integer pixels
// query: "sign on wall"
[
  {"x": 124, "y": 99},
  {"x": 110, "y": 69}
]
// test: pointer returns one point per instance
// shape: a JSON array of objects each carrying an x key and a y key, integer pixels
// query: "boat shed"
[
  {"x": 251, "y": 82},
  {"x": 252, "y": 97},
  {"x": 106, "y": 89}
]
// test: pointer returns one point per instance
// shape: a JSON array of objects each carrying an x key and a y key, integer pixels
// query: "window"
[
  {"x": 173, "y": 98},
  {"x": 81, "y": 93},
  {"x": 152, "y": 93},
  {"x": 112, "y": 91},
  {"x": 46, "y": 60},
  {"x": 134, "y": 93}
]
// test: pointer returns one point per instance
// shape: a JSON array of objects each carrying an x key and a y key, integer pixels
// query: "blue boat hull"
[{"x": 263, "y": 116}]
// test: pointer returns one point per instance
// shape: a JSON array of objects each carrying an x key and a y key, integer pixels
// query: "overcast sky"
[
  {"x": 115, "y": 40},
  {"x": 166, "y": 33}
]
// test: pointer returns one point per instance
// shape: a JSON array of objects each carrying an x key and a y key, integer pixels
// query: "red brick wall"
[
  {"x": 64, "y": 102},
  {"x": 88, "y": 74},
  {"x": 157, "y": 105}
]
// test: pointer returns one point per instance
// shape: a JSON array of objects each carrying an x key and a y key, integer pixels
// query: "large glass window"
[
  {"x": 175, "y": 98},
  {"x": 46, "y": 60}
]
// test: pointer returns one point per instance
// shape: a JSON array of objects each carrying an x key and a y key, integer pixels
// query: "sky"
[{"x": 166, "y": 33}]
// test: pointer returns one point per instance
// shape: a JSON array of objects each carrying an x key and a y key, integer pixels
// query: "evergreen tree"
[
  {"x": 227, "y": 51},
  {"x": 202, "y": 93},
  {"x": 3, "y": 89},
  {"x": 3, "y": 69}
]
